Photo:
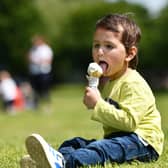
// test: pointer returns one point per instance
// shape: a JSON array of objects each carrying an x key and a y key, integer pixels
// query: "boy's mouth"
[{"x": 103, "y": 65}]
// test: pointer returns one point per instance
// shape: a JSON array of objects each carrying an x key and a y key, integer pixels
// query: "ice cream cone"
[{"x": 94, "y": 73}]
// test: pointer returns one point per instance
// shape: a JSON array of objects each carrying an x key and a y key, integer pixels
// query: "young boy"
[{"x": 125, "y": 107}]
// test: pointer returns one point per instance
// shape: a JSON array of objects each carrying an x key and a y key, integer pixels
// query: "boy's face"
[{"x": 109, "y": 52}]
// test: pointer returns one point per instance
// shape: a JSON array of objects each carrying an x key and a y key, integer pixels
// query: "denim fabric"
[{"x": 118, "y": 148}]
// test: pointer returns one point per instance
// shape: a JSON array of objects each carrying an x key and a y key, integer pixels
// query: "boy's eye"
[
  {"x": 108, "y": 46},
  {"x": 96, "y": 45}
]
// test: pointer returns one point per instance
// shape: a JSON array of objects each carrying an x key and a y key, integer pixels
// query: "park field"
[{"x": 65, "y": 117}]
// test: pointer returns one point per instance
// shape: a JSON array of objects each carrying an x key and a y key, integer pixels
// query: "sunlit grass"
[{"x": 65, "y": 117}]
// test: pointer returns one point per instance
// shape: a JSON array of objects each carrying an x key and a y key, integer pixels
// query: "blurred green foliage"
[
  {"x": 18, "y": 21},
  {"x": 69, "y": 27}
]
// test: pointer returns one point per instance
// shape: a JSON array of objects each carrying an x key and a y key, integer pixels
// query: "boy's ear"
[{"x": 131, "y": 53}]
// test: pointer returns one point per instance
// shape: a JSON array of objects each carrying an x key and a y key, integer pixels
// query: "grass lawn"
[{"x": 64, "y": 118}]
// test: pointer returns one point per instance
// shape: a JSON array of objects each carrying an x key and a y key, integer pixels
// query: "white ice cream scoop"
[
  {"x": 94, "y": 73},
  {"x": 94, "y": 70}
]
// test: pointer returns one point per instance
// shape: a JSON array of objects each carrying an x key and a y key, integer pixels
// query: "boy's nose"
[{"x": 100, "y": 52}]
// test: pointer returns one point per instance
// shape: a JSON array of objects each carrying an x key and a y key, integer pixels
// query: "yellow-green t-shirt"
[{"x": 137, "y": 110}]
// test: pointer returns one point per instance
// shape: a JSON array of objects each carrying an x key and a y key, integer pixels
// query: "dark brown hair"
[{"x": 131, "y": 34}]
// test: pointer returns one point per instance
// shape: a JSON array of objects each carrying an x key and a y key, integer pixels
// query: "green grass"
[{"x": 64, "y": 118}]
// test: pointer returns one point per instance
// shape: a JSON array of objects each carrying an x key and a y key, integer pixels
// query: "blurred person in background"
[
  {"x": 10, "y": 93},
  {"x": 40, "y": 59}
]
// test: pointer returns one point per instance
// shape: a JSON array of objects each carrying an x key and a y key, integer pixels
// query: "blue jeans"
[{"x": 119, "y": 148}]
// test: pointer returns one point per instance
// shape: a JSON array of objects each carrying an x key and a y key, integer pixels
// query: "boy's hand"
[{"x": 91, "y": 97}]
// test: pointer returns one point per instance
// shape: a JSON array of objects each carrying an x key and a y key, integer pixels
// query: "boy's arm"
[{"x": 133, "y": 103}]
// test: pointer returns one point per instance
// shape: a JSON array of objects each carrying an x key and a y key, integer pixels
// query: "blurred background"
[{"x": 68, "y": 26}]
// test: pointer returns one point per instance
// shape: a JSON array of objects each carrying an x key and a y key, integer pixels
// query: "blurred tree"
[
  {"x": 19, "y": 20},
  {"x": 154, "y": 60},
  {"x": 56, "y": 12},
  {"x": 154, "y": 42},
  {"x": 160, "y": 38},
  {"x": 70, "y": 26}
]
